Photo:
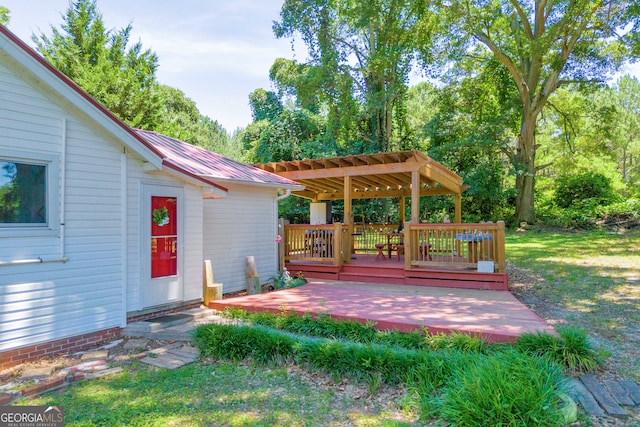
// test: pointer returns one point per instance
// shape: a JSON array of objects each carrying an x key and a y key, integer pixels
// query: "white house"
[{"x": 101, "y": 224}]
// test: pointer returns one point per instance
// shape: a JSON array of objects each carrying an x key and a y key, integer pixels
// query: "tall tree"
[
  {"x": 543, "y": 45},
  {"x": 121, "y": 78},
  {"x": 264, "y": 105},
  {"x": 363, "y": 51},
  {"x": 627, "y": 97}
]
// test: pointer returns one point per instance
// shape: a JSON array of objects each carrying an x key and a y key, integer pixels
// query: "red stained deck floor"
[{"x": 496, "y": 315}]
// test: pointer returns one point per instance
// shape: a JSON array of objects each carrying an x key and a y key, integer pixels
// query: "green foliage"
[
  {"x": 458, "y": 341},
  {"x": 365, "y": 99},
  {"x": 507, "y": 388},
  {"x": 264, "y": 105},
  {"x": 464, "y": 387},
  {"x": 369, "y": 362},
  {"x": 541, "y": 51},
  {"x": 326, "y": 327},
  {"x": 571, "y": 349},
  {"x": 122, "y": 78},
  {"x": 181, "y": 119},
  {"x": 284, "y": 280},
  {"x": 4, "y": 16},
  {"x": 588, "y": 186}
]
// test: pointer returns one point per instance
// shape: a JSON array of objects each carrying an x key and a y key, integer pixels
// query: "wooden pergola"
[{"x": 397, "y": 174}]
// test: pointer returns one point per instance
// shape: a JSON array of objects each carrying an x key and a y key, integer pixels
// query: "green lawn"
[
  {"x": 593, "y": 280},
  {"x": 224, "y": 393}
]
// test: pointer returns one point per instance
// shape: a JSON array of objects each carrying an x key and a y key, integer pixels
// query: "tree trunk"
[{"x": 526, "y": 169}]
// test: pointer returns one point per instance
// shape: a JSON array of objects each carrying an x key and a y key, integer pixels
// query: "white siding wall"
[
  {"x": 191, "y": 240},
  {"x": 43, "y": 302},
  {"x": 242, "y": 224}
]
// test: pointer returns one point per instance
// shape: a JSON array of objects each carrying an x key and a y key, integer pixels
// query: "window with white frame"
[
  {"x": 23, "y": 193},
  {"x": 29, "y": 194}
]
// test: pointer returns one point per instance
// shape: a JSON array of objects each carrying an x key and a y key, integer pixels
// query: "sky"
[{"x": 216, "y": 51}]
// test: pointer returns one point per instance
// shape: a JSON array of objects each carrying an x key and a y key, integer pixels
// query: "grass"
[
  {"x": 203, "y": 394},
  {"x": 593, "y": 279}
]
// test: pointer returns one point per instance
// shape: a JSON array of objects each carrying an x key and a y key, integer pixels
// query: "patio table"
[
  {"x": 389, "y": 237},
  {"x": 473, "y": 243}
]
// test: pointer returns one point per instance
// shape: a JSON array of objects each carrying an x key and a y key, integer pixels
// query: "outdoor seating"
[
  {"x": 425, "y": 251},
  {"x": 399, "y": 248},
  {"x": 380, "y": 248}
]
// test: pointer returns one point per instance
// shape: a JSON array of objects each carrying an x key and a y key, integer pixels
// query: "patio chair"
[{"x": 399, "y": 248}]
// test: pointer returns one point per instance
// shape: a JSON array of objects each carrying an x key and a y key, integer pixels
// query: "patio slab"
[{"x": 496, "y": 315}]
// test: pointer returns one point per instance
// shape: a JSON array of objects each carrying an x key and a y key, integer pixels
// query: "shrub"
[
  {"x": 458, "y": 341},
  {"x": 571, "y": 349},
  {"x": 507, "y": 388},
  {"x": 571, "y": 189}
]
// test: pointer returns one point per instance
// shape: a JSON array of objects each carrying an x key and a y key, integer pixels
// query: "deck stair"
[
  {"x": 378, "y": 274},
  {"x": 366, "y": 269}
]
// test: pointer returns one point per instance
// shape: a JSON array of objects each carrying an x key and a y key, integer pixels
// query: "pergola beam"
[{"x": 368, "y": 176}]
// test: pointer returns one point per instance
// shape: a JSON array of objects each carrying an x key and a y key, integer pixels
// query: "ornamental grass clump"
[
  {"x": 336, "y": 357},
  {"x": 327, "y": 327},
  {"x": 459, "y": 341},
  {"x": 508, "y": 388},
  {"x": 571, "y": 348}
]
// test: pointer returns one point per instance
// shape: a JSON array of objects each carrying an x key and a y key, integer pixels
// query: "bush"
[
  {"x": 571, "y": 349},
  {"x": 572, "y": 189},
  {"x": 508, "y": 388},
  {"x": 456, "y": 382},
  {"x": 327, "y": 327}
]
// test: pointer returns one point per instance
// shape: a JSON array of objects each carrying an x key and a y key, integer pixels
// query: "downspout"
[
  {"x": 62, "y": 182},
  {"x": 63, "y": 189},
  {"x": 283, "y": 196},
  {"x": 279, "y": 232},
  {"x": 124, "y": 178}
]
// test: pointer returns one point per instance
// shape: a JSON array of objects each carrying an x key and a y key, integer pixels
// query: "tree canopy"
[
  {"x": 360, "y": 53},
  {"x": 543, "y": 45},
  {"x": 121, "y": 78}
]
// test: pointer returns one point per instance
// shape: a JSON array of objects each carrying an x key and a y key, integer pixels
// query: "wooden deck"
[
  {"x": 495, "y": 315},
  {"x": 371, "y": 268}
]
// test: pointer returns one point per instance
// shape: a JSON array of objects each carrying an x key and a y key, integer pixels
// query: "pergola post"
[
  {"x": 401, "y": 211},
  {"x": 415, "y": 197},
  {"x": 458, "y": 209},
  {"x": 348, "y": 215}
]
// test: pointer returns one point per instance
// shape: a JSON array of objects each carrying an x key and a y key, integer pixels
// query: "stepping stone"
[
  {"x": 172, "y": 356},
  {"x": 581, "y": 394},
  {"x": 94, "y": 355},
  {"x": 632, "y": 389},
  {"x": 99, "y": 374},
  {"x": 136, "y": 344},
  {"x": 603, "y": 397},
  {"x": 35, "y": 373},
  {"x": 619, "y": 393}
]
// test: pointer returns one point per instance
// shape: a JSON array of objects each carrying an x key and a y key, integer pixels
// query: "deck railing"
[
  {"x": 318, "y": 243},
  {"x": 455, "y": 245},
  {"x": 424, "y": 245}
]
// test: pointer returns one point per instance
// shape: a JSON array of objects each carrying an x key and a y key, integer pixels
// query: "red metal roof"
[{"x": 206, "y": 164}]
